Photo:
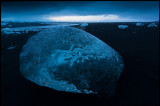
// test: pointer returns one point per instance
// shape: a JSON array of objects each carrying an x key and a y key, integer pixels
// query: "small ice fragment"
[
  {"x": 18, "y": 32},
  {"x": 122, "y": 26},
  {"x": 84, "y": 24},
  {"x": 11, "y": 47},
  {"x": 139, "y": 24},
  {"x": 9, "y": 25},
  {"x": 87, "y": 91}
]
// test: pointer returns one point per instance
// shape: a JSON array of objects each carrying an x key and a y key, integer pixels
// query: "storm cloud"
[{"x": 49, "y": 10}]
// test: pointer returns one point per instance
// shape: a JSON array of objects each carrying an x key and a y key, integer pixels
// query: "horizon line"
[{"x": 79, "y": 22}]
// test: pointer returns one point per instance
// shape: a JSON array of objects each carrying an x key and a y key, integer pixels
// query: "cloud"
[
  {"x": 87, "y": 18},
  {"x": 81, "y": 10}
]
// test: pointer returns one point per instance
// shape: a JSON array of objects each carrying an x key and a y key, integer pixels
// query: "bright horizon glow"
[
  {"x": 76, "y": 18},
  {"x": 88, "y": 18}
]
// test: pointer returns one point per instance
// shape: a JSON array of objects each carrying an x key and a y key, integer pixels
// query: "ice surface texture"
[{"x": 72, "y": 60}]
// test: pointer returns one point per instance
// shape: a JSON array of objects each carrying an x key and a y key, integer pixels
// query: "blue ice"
[{"x": 122, "y": 26}]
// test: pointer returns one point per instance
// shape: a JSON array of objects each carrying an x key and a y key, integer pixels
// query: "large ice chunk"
[
  {"x": 72, "y": 60},
  {"x": 152, "y": 25}
]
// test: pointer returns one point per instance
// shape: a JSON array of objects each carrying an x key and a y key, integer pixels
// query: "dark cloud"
[{"x": 148, "y": 10}]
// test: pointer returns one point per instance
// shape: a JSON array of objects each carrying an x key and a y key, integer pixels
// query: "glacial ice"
[
  {"x": 122, "y": 26},
  {"x": 84, "y": 24},
  {"x": 139, "y": 24},
  {"x": 3, "y": 23},
  {"x": 71, "y": 60},
  {"x": 18, "y": 30},
  {"x": 152, "y": 25}
]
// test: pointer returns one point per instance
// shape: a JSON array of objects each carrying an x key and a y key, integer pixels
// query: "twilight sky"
[{"x": 80, "y": 11}]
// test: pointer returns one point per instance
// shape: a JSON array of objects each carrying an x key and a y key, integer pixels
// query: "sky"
[{"x": 80, "y": 11}]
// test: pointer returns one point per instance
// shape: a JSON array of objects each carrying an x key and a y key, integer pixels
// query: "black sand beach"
[{"x": 138, "y": 84}]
